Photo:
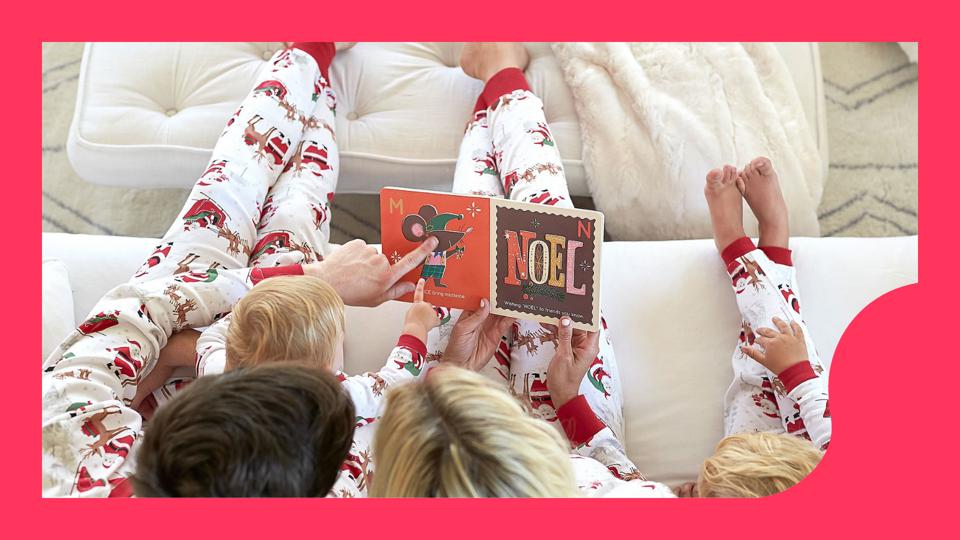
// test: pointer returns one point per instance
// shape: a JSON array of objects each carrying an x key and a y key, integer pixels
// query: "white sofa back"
[
  {"x": 672, "y": 316},
  {"x": 148, "y": 114}
]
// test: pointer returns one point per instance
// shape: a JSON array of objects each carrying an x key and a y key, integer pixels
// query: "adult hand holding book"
[
  {"x": 476, "y": 337},
  {"x": 363, "y": 276}
]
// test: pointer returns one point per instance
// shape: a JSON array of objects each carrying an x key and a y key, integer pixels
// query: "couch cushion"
[
  {"x": 57, "y": 305},
  {"x": 673, "y": 321},
  {"x": 401, "y": 112}
]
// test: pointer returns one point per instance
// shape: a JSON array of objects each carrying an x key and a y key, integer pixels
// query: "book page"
[
  {"x": 546, "y": 263},
  {"x": 456, "y": 272}
]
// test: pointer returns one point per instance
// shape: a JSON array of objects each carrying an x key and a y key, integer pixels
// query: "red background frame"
[{"x": 891, "y": 466}]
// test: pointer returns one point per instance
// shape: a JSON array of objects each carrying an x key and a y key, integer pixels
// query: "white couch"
[
  {"x": 672, "y": 316},
  {"x": 148, "y": 114}
]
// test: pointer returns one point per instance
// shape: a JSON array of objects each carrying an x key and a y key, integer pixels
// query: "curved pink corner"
[{"x": 874, "y": 368}]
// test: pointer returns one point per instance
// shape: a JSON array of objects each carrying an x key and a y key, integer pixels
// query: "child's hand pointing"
[
  {"x": 421, "y": 317},
  {"x": 781, "y": 349}
]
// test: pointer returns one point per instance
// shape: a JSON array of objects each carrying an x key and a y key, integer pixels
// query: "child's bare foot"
[
  {"x": 726, "y": 205},
  {"x": 484, "y": 59},
  {"x": 761, "y": 188}
]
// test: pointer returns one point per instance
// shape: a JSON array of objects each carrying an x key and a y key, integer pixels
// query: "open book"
[{"x": 532, "y": 261}]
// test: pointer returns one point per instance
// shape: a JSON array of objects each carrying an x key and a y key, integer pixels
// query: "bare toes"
[
  {"x": 715, "y": 176},
  {"x": 762, "y": 165}
]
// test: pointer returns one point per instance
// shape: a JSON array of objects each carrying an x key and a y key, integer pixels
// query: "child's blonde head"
[
  {"x": 756, "y": 465},
  {"x": 455, "y": 434},
  {"x": 287, "y": 318}
]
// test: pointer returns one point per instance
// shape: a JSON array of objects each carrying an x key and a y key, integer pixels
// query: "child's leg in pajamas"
[
  {"x": 531, "y": 171},
  {"x": 763, "y": 281},
  {"x": 218, "y": 224}
]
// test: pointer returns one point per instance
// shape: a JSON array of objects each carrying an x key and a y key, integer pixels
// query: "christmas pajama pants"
[
  {"x": 264, "y": 199},
  {"x": 764, "y": 281},
  {"x": 508, "y": 151}
]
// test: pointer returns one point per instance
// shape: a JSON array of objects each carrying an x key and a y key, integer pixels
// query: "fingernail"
[
  {"x": 483, "y": 302},
  {"x": 565, "y": 321}
]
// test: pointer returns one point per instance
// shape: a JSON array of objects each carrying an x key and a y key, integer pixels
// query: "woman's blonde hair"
[
  {"x": 756, "y": 465},
  {"x": 286, "y": 318},
  {"x": 456, "y": 434}
]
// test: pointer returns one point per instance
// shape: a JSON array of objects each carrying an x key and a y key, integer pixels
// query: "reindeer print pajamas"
[
  {"x": 796, "y": 402},
  {"x": 509, "y": 151},
  {"x": 275, "y": 159}
]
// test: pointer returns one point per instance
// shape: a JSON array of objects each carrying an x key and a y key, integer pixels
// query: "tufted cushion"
[{"x": 148, "y": 114}]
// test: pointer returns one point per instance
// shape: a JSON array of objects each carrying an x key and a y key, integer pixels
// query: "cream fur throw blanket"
[{"x": 655, "y": 117}]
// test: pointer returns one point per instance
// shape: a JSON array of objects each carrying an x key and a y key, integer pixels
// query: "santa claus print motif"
[
  {"x": 159, "y": 254},
  {"x": 281, "y": 242},
  {"x": 766, "y": 401},
  {"x": 207, "y": 214},
  {"x": 541, "y": 134},
  {"x": 206, "y": 276},
  {"x": 127, "y": 364},
  {"x": 596, "y": 374},
  {"x": 746, "y": 273},
  {"x": 790, "y": 297},
  {"x": 414, "y": 365},
  {"x": 536, "y": 393},
  {"x": 545, "y": 197},
  {"x": 310, "y": 156},
  {"x": 485, "y": 162},
  {"x": 215, "y": 173},
  {"x": 272, "y": 88},
  {"x": 321, "y": 214}
]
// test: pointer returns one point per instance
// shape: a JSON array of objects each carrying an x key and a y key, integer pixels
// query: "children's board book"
[{"x": 532, "y": 261}]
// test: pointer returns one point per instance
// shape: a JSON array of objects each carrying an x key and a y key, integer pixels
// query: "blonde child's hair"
[
  {"x": 756, "y": 465},
  {"x": 455, "y": 434},
  {"x": 286, "y": 318}
]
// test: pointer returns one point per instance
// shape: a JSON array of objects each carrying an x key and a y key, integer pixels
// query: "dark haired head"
[{"x": 275, "y": 430}]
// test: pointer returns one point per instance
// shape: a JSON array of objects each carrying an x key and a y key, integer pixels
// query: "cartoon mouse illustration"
[{"x": 426, "y": 223}]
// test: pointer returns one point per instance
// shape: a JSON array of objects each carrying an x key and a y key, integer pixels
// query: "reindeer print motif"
[
  {"x": 184, "y": 265},
  {"x": 94, "y": 427},
  {"x": 235, "y": 244},
  {"x": 80, "y": 374},
  {"x": 270, "y": 143},
  {"x": 180, "y": 306},
  {"x": 529, "y": 174},
  {"x": 379, "y": 384},
  {"x": 509, "y": 99}
]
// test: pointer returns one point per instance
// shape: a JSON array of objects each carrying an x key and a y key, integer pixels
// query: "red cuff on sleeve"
[
  {"x": 778, "y": 255},
  {"x": 503, "y": 83},
  {"x": 579, "y": 421},
  {"x": 796, "y": 374},
  {"x": 259, "y": 274},
  {"x": 323, "y": 52},
  {"x": 738, "y": 248},
  {"x": 412, "y": 344}
]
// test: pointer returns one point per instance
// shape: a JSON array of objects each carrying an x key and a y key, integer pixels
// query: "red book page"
[{"x": 458, "y": 271}]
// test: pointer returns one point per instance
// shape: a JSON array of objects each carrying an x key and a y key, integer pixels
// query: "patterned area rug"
[{"x": 871, "y": 94}]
